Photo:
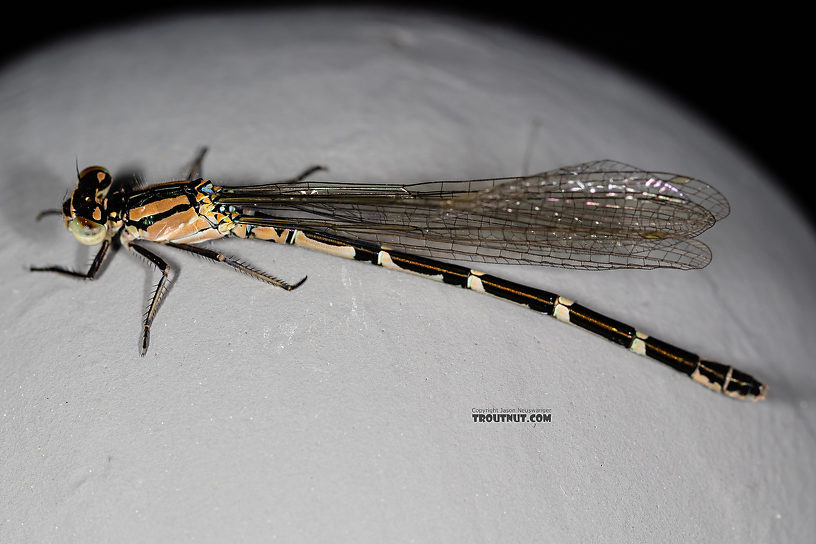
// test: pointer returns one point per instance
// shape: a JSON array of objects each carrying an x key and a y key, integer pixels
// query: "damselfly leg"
[
  {"x": 158, "y": 292},
  {"x": 196, "y": 169},
  {"x": 303, "y": 175},
  {"x": 92, "y": 270},
  {"x": 50, "y": 211},
  {"x": 237, "y": 265},
  {"x": 196, "y": 166}
]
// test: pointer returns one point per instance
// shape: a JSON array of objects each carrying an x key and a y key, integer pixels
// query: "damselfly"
[{"x": 597, "y": 215}]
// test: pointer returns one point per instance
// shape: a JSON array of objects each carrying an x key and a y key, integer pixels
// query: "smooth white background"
[{"x": 342, "y": 410}]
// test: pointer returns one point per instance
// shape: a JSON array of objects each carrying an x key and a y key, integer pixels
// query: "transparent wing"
[{"x": 596, "y": 215}]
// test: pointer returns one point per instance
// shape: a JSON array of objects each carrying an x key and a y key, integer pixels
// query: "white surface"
[{"x": 342, "y": 410}]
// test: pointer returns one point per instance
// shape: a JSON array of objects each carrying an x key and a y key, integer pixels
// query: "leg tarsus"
[
  {"x": 52, "y": 211},
  {"x": 92, "y": 270},
  {"x": 145, "y": 339},
  {"x": 298, "y": 284},
  {"x": 305, "y": 174},
  {"x": 158, "y": 293}
]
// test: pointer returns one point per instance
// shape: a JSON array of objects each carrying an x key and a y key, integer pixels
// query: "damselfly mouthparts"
[{"x": 597, "y": 215}]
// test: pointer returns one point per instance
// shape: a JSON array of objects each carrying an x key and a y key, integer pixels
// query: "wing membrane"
[{"x": 596, "y": 215}]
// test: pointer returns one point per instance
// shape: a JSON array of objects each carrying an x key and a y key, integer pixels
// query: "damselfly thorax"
[{"x": 592, "y": 216}]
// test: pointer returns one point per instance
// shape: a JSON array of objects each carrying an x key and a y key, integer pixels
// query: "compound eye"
[{"x": 86, "y": 231}]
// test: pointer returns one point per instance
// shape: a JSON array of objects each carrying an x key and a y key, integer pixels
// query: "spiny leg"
[
  {"x": 92, "y": 270},
  {"x": 157, "y": 294},
  {"x": 221, "y": 258}
]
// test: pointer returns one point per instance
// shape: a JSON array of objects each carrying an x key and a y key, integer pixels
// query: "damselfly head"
[{"x": 84, "y": 212}]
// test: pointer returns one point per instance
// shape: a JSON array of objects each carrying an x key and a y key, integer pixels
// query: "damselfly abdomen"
[{"x": 597, "y": 215}]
